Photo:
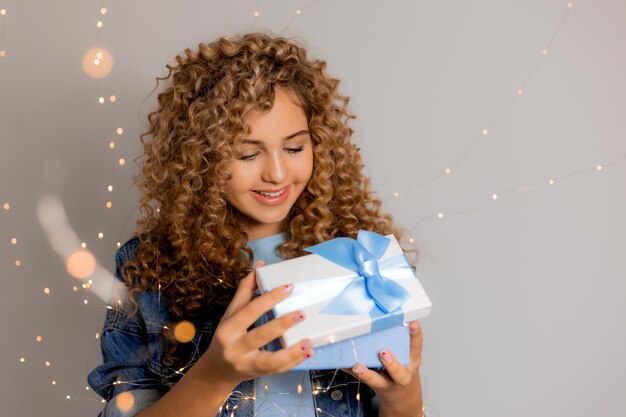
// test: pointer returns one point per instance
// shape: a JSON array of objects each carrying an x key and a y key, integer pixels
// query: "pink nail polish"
[
  {"x": 386, "y": 356},
  {"x": 308, "y": 354},
  {"x": 298, "y": 316},
  {"x": 286, "y": 289},
  {"x": 358, "y": 369},
  {"x": 305, "y": 345}
]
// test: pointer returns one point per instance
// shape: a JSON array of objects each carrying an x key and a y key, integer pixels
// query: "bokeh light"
[
  {"x": 81, "y": 264},
  {"x": 125, "y": 401},
  {"x": 184, "y": 331},
  {"x": 97, "y": 63}
]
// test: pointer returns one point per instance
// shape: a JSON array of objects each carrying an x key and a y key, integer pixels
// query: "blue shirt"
[{"x": 133, "y": 349}]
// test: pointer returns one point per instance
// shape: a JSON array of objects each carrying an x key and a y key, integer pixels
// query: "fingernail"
[
  {"x": 306, "y": 345},
  {"x": 298, "y": 316},
  {"x": 414, "y": 326},
  {"x": 286, "y": 289},
  {"x": 386, "y": 356},
  {"x": 308, "y": 354},
  {"x": 358, "y": 369}
]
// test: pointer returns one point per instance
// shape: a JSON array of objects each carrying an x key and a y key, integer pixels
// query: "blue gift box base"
[{"x": 363, "y": 349}]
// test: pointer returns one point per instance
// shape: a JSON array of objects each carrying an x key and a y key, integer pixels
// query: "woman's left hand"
[{"x": 399, "y": 389}]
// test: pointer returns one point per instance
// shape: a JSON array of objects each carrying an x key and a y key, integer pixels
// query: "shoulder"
[{"x": 126, "y": 253}]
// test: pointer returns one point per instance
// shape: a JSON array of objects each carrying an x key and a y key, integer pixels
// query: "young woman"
[{"x": 248, "y": 157}]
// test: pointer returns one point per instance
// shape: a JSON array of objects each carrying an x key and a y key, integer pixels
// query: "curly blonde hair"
[{"x": 193, "y": 248}]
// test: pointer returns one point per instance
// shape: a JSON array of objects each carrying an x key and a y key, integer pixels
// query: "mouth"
[{"x": 271, "y": 197}]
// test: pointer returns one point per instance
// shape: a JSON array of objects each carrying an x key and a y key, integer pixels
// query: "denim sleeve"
[
  {"x": 125, "y": 355},
  {"x": 130, "y": 405}
]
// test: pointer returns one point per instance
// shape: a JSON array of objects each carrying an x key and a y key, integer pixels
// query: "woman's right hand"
[{"x": 234, "y": 354}]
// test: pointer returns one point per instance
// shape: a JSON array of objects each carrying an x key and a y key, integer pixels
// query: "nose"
[{"x": 274, "y": 169}]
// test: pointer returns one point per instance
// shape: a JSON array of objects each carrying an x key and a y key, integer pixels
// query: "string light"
[
  {"x": 6, "y": 206},
  {"x": 100, "y": 235},
  {"x": 18, "y": 262},
  {"x": 519, "y": 92},
  {"x": 99, "y": 24},
  {"x": 598, "y": 167},
  {"x": 109, "y": 204},
  {"x": 68, "y": 397},
  {"x": 551, "y": 182},
  {"x": 3, "y": 12},
  {"x": 111, "y": 145},
  {"x": 256, "y": 13},
  {"x": 22, "y": 360},
  {"x": 54, "y": 382},
  {"x": 13, "y": 241},
  {"x": 494, "y": 197},
  {"x": 447, "y": 170},
  {"x": 101, "y": 100},
  {"x": 440, "y": 215},
  {"x": 298, "y": 11},
  {"x": 396, "y": 194},
  {"x": 46, "y": 291},
  {"x": 75, "y": 288},
  {"x": 47, "y": 363},
  {"x": 122, "y": 161},
  {"x": 103, "y": 11},
  {"x": 110, "y": 188},
  {"x": 112, "y": 99},
  {"x": 83, "y": 245},
  {"x": 120, "y": 131},
  {"x": 3, "y": 53},
  {"x": 38, "y": 338}
]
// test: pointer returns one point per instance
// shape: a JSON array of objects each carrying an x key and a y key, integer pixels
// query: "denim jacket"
[{"x": 133, "y": 349}]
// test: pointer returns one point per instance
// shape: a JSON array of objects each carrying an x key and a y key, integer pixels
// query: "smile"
[{"x": 271, "y": 197}]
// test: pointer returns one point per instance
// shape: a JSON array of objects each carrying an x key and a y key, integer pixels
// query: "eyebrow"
[{"x": 293, "y": 135}]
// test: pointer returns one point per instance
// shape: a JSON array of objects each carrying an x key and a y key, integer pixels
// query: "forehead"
[{"x": 284, "y": 118}]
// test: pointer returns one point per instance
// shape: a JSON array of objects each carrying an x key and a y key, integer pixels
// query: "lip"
[{"x": 272, "y": 201}]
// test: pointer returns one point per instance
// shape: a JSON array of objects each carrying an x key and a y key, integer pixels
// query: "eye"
[
  {"x": 295, "y": 150},
  {"x": 248, "y": 157}
]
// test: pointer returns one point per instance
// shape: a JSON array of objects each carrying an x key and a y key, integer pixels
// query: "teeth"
[{"x": 270, "y": 195}]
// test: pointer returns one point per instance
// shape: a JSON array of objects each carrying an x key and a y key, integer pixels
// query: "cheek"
[{"x": 241, "y": 178}]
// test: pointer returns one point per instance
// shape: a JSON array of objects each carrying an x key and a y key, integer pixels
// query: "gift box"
[
  {"x": 363, "y": 349},
  {"x": 347, "y": 288}
]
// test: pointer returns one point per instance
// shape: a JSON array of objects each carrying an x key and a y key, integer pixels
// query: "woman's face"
[{"x": 272, "y": 168}]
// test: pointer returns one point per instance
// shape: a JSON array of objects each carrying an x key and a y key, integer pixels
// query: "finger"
[
  {"x": 284, "y": 359},
  {"x": 416, "y": 343},
  {"x": 396, "y": 371},
  {"x": 373, "y": 379},
  {"x": 262, "y": 335},
  {"x": 244, "y": 292},
  {"x": 251, "y": 312}
]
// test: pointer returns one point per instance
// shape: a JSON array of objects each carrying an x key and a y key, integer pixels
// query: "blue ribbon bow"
[{"x": 374, "y": 291}]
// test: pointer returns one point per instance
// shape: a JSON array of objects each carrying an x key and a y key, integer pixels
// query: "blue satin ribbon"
[{"x": 373, "y": 291}]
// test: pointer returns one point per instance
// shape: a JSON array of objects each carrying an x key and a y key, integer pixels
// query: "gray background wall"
[{"x": 528, "y": 290}]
